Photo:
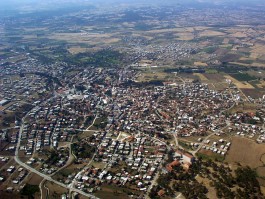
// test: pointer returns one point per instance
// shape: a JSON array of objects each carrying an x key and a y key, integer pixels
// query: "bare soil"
[{"x": 245, "y": 152}]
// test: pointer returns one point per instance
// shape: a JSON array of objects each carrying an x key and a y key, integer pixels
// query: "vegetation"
[
  {"x": 231, "y": 68},
  {"x": 53, "y": 157},
  {"x": 210, "y": 49},
  {"x": 247, "y": 180},
  {"x": 88, "y": 121},
  {"x": 30, "y": 190},
  {"x": 185, "y": 145},
  {"x": 101, "y": 123},
  {"x": 243, "y": 77},
  {"x": 143, "y": 84},
  {"x": 214, "y": 156},
  {"x": 242, "y": 183},
  {"x": 83, "y": 150}
]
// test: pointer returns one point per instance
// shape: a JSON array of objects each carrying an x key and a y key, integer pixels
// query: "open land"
[{"x": 250, "y": 156}]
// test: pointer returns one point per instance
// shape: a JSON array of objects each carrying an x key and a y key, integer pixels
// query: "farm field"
[
  {"x": 254, "y": 93},
  {"x": 245, "y": 152},
  {"x": 202, "y": 77},
  {"x": 97, "y": 92},
  {"x": 239, "y": 84}
]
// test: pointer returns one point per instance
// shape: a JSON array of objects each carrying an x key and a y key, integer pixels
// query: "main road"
[{"x": 46, "y": 177}]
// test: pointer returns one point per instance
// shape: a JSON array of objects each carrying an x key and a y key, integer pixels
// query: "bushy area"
[
  {"x": 30, "y": 190},
  {"x": 241, "y": 183}
]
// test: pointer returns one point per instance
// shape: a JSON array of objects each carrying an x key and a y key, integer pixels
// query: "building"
[
  {"x": 185, "y": 157},
  {"x": 3, "y": 102}
]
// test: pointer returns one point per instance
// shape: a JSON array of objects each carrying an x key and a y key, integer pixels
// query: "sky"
[{"x": 29, "y": 5}]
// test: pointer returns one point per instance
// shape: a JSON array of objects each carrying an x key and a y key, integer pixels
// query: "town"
[
  {"x": 115, "y": 132},
  {"x": 141, "y": 101}
]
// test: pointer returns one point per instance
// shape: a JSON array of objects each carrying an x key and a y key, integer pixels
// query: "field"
[
  {"x": 257, "y": 51},
  {"x": 200, "y": 64},
  {"x": 34, "y": 179},
  {"x": 85, "y": 38},
  {"x": 261, "y": 84},
  {"x": 206, "y": 182},
  {"x": 261, "y": 171},
  {"x": 215, "y": 81},
  {"x": 85, "y": 134},
  {"x": 254, "y": 93},
  {"x": 245, "y": 152},
  {"x": 55, "y": 191},
  {"x": 209, "y": 155},
  {"x": 6, "y": 195},
  {"x": 111, "y": 191},
  {"x": 245, "y": 107},
  {"x": 201, "y": 76},
  {"x": 77, "y": 49},
  {"x": 239, "y": 84},
  {"x": 100, "y": 165},
  {"x": 153, "y": 76},
  {"x": 211, "y": 33}
]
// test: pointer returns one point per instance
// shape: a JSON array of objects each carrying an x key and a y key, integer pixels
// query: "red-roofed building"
[
  {"x": 170, "y": 166},
  {"x": 186, "y": 157},
  {"x": 161, "y": 192}
]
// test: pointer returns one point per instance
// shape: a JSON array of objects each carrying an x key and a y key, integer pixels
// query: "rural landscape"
[{"x": 131, "y": 99}]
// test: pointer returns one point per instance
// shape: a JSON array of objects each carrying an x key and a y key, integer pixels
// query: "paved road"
[
  {"x": 41, "y": 190},
  {"x": 203, "y": 142},
  {"x": 46, "y": 177},
  {"x": 70, "y": 159},
  {"x": 85, "y": 168}
]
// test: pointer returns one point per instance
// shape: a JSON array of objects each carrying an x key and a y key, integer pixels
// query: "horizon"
[{"x": 18, "y": 4}]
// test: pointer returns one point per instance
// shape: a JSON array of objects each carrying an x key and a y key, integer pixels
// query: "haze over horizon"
[{"x": 50, "y": 4}]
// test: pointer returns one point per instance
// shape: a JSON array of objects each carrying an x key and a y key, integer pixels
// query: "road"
[
  {"x": 41, "y": 190},
  {"x": 92, "y": 123},
  {"x": 181, "y": 79},
  {"x": 227, "y": 125},
  {"x": 176, "y": 140},
  {"x": 46, "y": 177},
  {"x": 85, "y": 168},
  {"x": 203, "y": 142},
  {"x": 70, "y": 159},
  {"x": 154, "y": 182},
  {"x": 48, "y": 190}
]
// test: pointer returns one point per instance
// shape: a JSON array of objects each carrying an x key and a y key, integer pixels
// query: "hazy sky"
[{"x": 46, "y": 4}]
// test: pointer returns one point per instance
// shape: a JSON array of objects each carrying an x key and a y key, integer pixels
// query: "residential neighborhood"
[{"x": 132, "y": 100}]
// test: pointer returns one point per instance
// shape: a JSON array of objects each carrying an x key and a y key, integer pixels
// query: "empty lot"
[{"x": 246, "y": 152}]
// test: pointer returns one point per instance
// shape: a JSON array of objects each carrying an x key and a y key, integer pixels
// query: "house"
[
  {"x": 170, "y": 166},
  {"x": 3, "y": 102},
  {"x": 186, "y": 166},
  {"x": 185, "y": 157},
  {"x": 161, "y": 193}
]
